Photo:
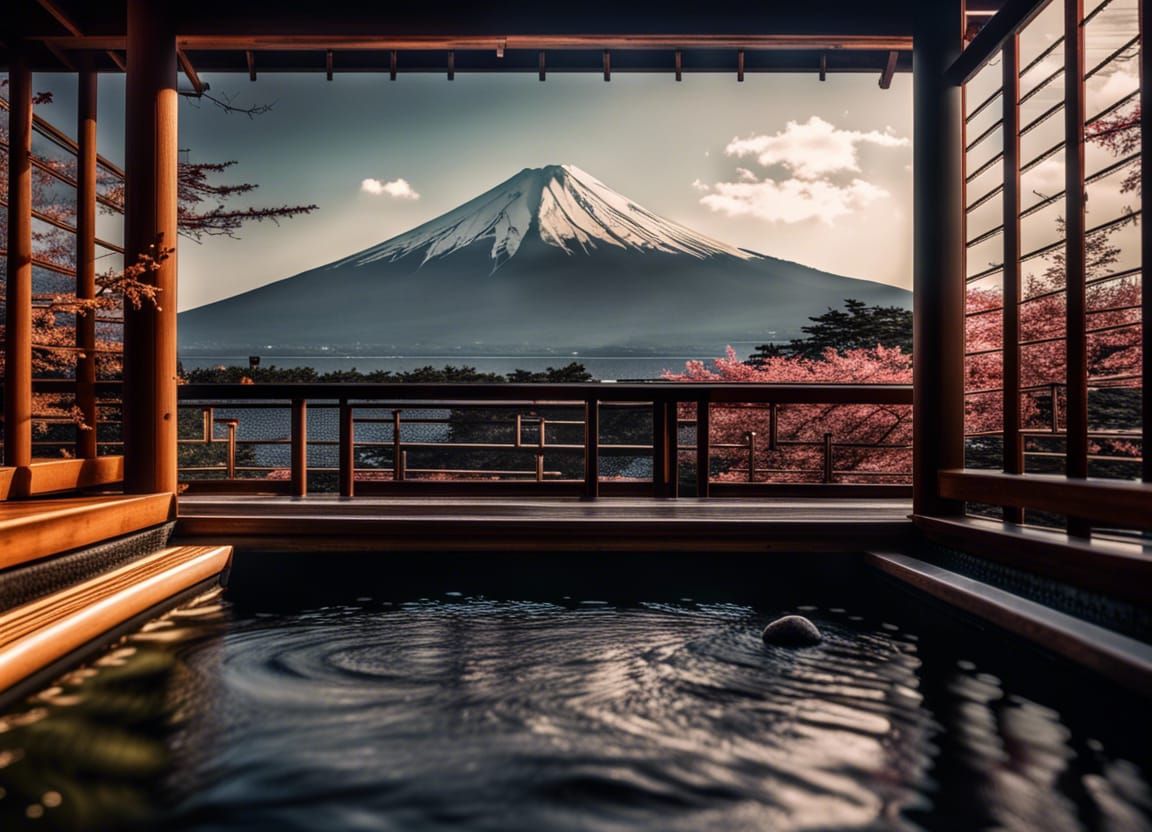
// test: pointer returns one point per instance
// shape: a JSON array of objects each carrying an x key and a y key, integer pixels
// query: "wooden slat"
[
  {"x": 1103, "y": 502},
  {"x": 45, "y": 631},
  {"x": 34, "y": 529},
  {"x": 18, "y": 297},
  {"x": 1013, "y": 462},
  {"x": 1146, "y": 243},
  {"x": 52, "y": 476}
]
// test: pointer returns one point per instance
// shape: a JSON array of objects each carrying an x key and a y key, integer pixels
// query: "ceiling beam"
[
  {"x": 288, "y": 43},
  {"x": 889, "y": 70},
  {"x": 190, "y": 72},
  {"x": 64, "y": 20},
  {"x": 986, "y": 45}
]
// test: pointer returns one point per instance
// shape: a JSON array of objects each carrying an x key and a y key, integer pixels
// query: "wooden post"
[
  {"x": 938, "y": 259},
  {"x": 347, "y": 461},
  {"x": 86, "y": 260},
  {"x": 1010, "y": 321},
  {"x": 299, "y": 440},
  {"x": 1146, "y": 243},
  {"x": 703, "y": 451},
  {"x": 18, "y": 310},
  {"x": 672, "y": 441},
  {"x": 591, "y": 450},
  {"x": 1076, "y": 400},
  {"x": 659, "y": 449},
  {"x": 150, "y": 142}
]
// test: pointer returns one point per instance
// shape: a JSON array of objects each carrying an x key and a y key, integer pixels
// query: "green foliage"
[
  {"x": 856, "y": 327},
  {"x": 573, "y": 372}
]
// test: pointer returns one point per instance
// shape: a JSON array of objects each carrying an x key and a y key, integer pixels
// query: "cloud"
[
  {"x": 745, "y": 175},
  {"x": 398, "y": 188},
  {"x": 812, "y": 149},
  {"x": 702, "y": 187},
  {"x": 792, "y": 200}
]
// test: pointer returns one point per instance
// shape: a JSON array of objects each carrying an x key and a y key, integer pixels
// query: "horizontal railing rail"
[{"x": 387, "y": 438}]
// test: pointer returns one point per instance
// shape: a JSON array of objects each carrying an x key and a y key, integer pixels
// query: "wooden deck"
[{"x": 361, "y": 523}]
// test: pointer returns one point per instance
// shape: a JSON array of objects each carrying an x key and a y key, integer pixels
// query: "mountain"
[{"x": 551, "y": 259}]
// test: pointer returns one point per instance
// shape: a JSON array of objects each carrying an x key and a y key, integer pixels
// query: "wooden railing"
[{"x": 538, "y": 439}]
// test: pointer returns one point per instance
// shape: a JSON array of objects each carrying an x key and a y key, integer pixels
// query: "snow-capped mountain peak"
[{"x": 563, "y": 206}]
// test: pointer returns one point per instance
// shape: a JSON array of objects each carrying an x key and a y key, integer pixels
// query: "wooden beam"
[
  {"x": 328, "y": 64},
  {"x": 190, "y": 72},
  {"x": 679, "y": 65},
  {"x": 889, "y": 70},
  {"x": 1013, "y": 462},
  {"x": 1012, "y": 17},
  {"x": 607, "y": 65},
  {"x": 299, "y": 448},
  {"x": 381, "y": 41},
  {"x": 823, "y": 66},
  {"x": 1075, "y": 256},
  {"x": 18, "y": 299},
  {"x": 392, "y": 61},
  {"x": 52, "y": 476},
  {"x": 1120, "y": 503},
  {"x": 543, "y": 67},
  {"x": 938, "y": 256},
  {"x": 740, "y": 66},
  {"x": 250, "y": 57},
  {"x": 451, "y": 65},
  {"x": 64, "y": 20},
  {"x": 86, "y": 189},
  {"x": 150, "y": 209}
]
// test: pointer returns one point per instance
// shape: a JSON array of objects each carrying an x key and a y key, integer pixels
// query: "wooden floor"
[{"x": 623, "y": 524}]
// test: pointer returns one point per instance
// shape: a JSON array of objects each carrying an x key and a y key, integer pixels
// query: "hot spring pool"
[{"x": 381, "y": 710}]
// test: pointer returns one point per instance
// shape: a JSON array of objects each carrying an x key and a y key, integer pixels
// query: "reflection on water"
[{"x": 478, "y": 714}]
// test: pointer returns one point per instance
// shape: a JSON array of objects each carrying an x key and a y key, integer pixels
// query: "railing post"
[
  {"x": 208, "y": 415},
  {"x": 828, "y": 478},
  {"x": 397, "y": 448},
  {"x": 751, "y": 437},
  {"x": 347, "y": 462},
  {"x": 540, "y": 440},
  {"x": 591, "y": 449},
  {"x": 299, "y": 439},
  {"x": 659, "y": 449},
  {"x": 231, "y": 425},
  {"x": 703, "y": 446},
  {"x": 773, "y": 427},
  {"x": 1055, "y": 389},
  {"x": 672, "y": 441}
]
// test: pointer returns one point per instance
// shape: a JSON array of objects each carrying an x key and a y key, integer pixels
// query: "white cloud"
[
  {"x": 812, "y": 149},
  {"x": 702, "y": 187},
  {"x": 398, "y": 188},
  {"x": 745, "y": 175},
  {"x": 792, "y": 200}
]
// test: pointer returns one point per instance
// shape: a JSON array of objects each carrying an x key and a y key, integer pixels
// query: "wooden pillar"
[
  {"x": 1011, "y": 293},
  {"x": 1076, "y": 355},
  {"x": 299, "y": 448},
  {"x": 18, "y": 311},
  {"x": 86, "y": 260},
  {"x": 1146, "y": 242},
  {"x": 938, "y": 258},
  {"x": 150, "y": 142}
]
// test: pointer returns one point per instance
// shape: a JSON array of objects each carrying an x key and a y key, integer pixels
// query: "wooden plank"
[
  {"x": 250, "y": 59},
  {"x": 1122, "y": 659},
  {"x": 385, "y": 41},
  {"x": 1107, "y": 567},
  {"x": 193, "y": 76},
  {"x": 1103, "y": 502},
  {"x": 34, "y": 529},
  {"x": 6, "y": 475},
  {"x": 51, "y": 476},
  {"x": 45, "y": 631},
  {"x": 889, "y": 70}
]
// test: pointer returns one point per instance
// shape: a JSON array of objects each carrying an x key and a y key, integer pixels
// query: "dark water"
[{"x": 462, "y": 712}]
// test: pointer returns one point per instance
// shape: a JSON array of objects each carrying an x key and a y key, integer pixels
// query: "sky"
[{"x": 818, "y": 173}]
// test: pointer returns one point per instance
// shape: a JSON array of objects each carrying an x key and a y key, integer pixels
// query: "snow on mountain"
[{"x": 564, "y": 206}]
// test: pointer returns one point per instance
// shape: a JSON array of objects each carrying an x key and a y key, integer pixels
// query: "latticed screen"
[
  {"x": 1053, "y": 328},
  {"x": 76, "y": 344}
]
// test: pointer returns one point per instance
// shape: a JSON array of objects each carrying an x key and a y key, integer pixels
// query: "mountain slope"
[{"x": 551, "y": 259}]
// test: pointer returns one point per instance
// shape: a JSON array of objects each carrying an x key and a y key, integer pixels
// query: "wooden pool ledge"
[{"x": 485, "y": 524}]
